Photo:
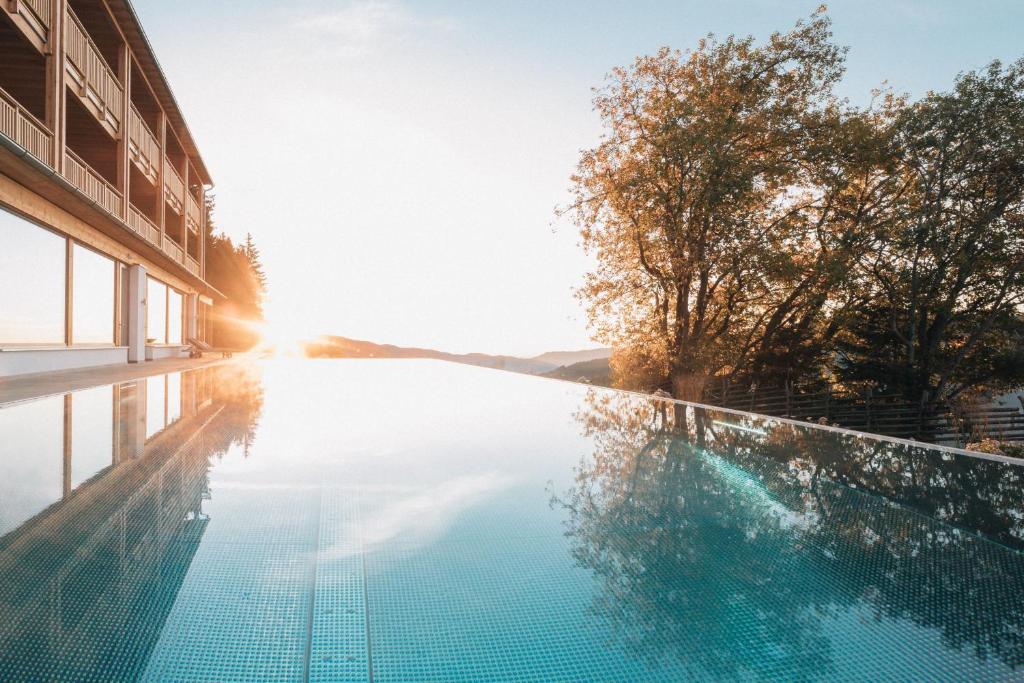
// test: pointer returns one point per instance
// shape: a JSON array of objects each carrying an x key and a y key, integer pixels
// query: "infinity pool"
[{"x": 422, "y": 521}]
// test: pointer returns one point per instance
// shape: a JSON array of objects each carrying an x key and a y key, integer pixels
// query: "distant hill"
[
  {"x": 560, "y": 358},
  {"x": 594, "y": 371},
  {"x": 589, "y": 364},
  {"x": 343, "y": 347}
]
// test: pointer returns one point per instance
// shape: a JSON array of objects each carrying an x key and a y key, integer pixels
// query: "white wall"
[
  {"x": 158, "y": 352},
  {"x": 25, "y": 361}
]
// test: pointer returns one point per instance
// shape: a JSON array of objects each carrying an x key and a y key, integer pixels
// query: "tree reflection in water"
[{"x": 740, "y": 546}]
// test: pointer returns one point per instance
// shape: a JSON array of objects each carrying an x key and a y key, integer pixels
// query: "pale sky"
[{"x": 398, "y": 162}]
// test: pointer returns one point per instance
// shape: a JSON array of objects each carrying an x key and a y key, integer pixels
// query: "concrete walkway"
[{"x": 23, "y": 387}]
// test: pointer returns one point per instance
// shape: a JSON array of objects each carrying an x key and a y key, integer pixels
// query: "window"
[
  {"x": 122, "y": 302},
  {"x": 156, "y": 315},
  {"x": 28, "y": 485},
  {"x": 174, "y": 300},
  {"x": 92, "y": 438},
  {"x": 156, "y": 404},
  {"x": 32, "y": 281},
  {"x": 173, "y": 397},
  {"x": 92, "y": 297},
  {"x": 164, "y": 318}
]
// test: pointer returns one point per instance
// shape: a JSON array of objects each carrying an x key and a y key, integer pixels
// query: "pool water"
[{"x": 393, "y": 520}]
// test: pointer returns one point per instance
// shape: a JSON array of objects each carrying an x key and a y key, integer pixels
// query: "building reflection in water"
[
  {"x": 101, "y": 496},
  {"x": 747, "y": 548}
]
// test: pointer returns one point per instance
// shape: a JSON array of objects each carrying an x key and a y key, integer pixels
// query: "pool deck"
[{"x": 23, "y": 387}]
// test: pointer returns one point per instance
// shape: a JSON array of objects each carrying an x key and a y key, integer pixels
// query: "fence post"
[
  {"x": 869, "y": 408},
  {"x": 828, "y": 401},
  {"x": 789, "y": 412}
]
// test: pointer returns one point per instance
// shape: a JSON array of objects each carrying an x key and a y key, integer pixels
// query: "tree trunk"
[{"x": 688, "y": 386}]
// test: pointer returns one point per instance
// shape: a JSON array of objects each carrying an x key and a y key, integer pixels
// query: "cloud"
[
  {"x": 364, "y": 25},
  {"x": 420, "y": 516}
]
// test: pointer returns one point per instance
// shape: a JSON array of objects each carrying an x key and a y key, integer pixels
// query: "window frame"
[
  {"x": 168, "y": 288},
  {"x": 68, "y": 338},
  {"x": 69, "y": 334}
]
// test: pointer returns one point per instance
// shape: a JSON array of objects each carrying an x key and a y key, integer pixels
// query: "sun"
[{"x": 280, "y": 340}]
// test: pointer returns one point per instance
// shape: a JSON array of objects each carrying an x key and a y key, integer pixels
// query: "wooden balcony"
[
  {"x": 143, "y": 148},
  {"x": 174, "y": 187},
  {"x": 88, "y": 74},
  {"x": 149, "y": 231},
  {"x": 32, "y": 17},
  {"x": 91, "y": 183},
  {"x": 146, "y": 228},
  {"x": 174, "y": 250},
  {"x": 193, "y": 215},
  {"x": 26, "y": 130}
]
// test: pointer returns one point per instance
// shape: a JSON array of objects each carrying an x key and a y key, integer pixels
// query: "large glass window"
[
  {"x": 122, "y": 302},
  {"x": 156, "y": 404},
  {"x": 92, "y": 433},
  {"x": 174, "y": 301},
  {"x": 156, "y": 315},
  {"x": 32, "y": 277},
  {"x": 92, "y": 297},
  {"x": 31, "y": 459},
  {"x": 173, "y": 397}
]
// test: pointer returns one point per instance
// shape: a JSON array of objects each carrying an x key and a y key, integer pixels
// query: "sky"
[{"x": 398, "y": 162}]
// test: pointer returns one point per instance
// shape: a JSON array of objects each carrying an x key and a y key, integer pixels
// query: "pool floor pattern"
[
  {"x": 388, "y": 537},
  {"x": 312, "y": 603}
]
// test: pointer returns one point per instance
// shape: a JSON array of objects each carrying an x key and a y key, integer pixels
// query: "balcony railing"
[
  {"x": 82, "y": 176},
  {"x": 143, "y": 147},
  {"x": 95, "y": 81},
  {"x": 174, "y": 186},
  {"x": 40, "y": 8},
  {"x": 20, "y": 126},
  {"x": 193, "y": 216},
  {"x": 172, "y": 249},
  {"x": 141, "y": 224}
]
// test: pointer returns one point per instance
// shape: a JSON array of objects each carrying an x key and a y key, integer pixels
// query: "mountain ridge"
[{"x": 336, "y": 346}]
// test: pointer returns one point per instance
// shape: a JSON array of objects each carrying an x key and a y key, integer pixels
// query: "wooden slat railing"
[
  {"x": 82, "y": 176},
  {"x": 19, "y": 125},
  {"x": 143, "y": 147},
  {"x": 192, "y": 265},
  {"x": 172, "y": 249},
  {"x": 888, "y": 414},
  {"x": 95, "y": 79},
  {"x": 173, "y": 185},
  {"x": 192, "y": 213},
  {"x": 141, "y": 224},
  {"x": 41, "y": 10}
]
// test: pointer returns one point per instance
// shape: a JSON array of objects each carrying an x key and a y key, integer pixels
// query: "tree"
[
  {"x": 236, "y": 272},
  {"x": 945, "y": 280},
  {"x": 695, "y": 202}
]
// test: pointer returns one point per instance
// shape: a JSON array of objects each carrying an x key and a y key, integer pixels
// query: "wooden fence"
[{"x": 888, "y": 414}]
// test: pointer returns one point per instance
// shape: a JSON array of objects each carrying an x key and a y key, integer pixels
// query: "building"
[{"x": 102, "y": 193}]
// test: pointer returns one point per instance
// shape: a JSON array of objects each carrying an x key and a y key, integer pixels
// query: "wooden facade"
[{"x": 89, "y": 124}]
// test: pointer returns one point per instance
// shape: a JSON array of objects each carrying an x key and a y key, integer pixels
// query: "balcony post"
[
  {"x": 202, "y": 232},
  {"x": 184, "y": 211},
  {"x": 124, "y": 59},
  {"x": 137, "y": 313},
  {"x": 55, "y": 103},
  {"x": 161, "y": 208}
]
